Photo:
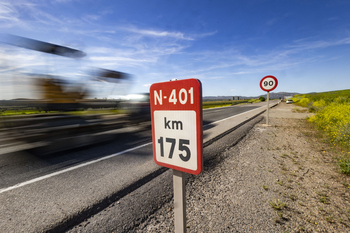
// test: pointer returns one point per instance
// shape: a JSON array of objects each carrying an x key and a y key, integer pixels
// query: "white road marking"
[
  {"x": 71, "y": 169},
  {"x": 232, "y": 116}
]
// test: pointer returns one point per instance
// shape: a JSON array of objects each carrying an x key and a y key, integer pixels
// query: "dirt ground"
[
  {"x": 309, "y": 177},
  {"x": 279, "y": 178}
]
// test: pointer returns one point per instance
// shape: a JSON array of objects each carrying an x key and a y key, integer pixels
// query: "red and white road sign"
[
  {"x": 177, "y": 132},
  {"x": 268, "y": 83}
]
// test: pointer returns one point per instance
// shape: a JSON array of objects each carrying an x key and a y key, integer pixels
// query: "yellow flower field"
[{"x": 332, "y": 116}]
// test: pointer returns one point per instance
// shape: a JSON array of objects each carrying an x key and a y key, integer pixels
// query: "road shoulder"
[{"x": 277, "y": 179}]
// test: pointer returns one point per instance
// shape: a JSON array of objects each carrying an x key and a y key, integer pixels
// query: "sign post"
[
  {"x": 268, "y": 83},
  {"x": 179, "y": 201},
  {"x": 177, "y": 134}
]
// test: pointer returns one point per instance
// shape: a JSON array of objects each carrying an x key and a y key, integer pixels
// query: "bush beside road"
[{"x": 332, "y": 117}]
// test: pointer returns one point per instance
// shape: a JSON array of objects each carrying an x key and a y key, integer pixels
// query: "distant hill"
[
  {"x": 280, "y": 95},
  {"x": 272, "y": 96}
]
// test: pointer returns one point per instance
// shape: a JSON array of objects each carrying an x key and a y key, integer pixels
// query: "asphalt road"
[
  {"x": 21, "y": 166},
  {"x": 53, "y": 193}
]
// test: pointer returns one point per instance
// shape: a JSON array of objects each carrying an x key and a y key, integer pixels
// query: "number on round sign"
[{"x": 268, "y": 83}]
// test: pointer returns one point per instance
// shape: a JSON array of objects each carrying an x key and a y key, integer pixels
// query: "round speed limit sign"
[{"x": 268, "y": 83}]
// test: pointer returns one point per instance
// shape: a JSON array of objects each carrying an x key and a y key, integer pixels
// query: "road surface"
[{"x": 55, "y": 192}]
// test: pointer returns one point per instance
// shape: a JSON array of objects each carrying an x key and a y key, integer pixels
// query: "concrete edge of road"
[
  {"x": 104, "y": 203},
  {"x": 221, "y": 135},
  {"x": 207, "y": 143}
]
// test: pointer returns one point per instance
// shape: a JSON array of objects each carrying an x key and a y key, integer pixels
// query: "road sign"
[
  {"x": 177, "y": 133},
  {"x": 268, "y": 83}
]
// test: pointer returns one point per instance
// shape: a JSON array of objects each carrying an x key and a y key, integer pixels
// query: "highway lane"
[
  {"x": 21, "y": 166},
  {"x": 216, "y": 114},
  {"x": 66, "y": 183}
]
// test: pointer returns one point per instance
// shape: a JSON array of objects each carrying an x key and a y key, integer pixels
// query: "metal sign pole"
[
  {"x": 179, "y": 201},
  {"x": 268, "y": 105}
]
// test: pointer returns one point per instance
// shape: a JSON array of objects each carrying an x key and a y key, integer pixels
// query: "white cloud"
[
  {"x": 306, "y": 45},
  {"x": 91, "y": 17},
  {"x": 288, "y": 56},
  {"x": 8, "y": 14},
  {"x": 205, "y": 34},
  {"x": 155, "y": 33}
]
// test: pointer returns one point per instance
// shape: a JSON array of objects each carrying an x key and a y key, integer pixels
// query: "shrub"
[
  {"x": 254, "y": 101},
  {"x": 342, "y": 100},
  {"x": 318, "y": 105},
  {"x": 344, "y": 165},
  {"x": 295, "y": 99},
  {"x": 262, "y": 98},
  {"x": 334, "y": 120},
  {"x": 304, "y": 102}
]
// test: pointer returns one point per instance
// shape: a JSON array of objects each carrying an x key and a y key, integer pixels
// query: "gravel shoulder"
[{"x": 280, "y": 178}]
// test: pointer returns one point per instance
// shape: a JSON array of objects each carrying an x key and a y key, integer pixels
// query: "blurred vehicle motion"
[
  {"x": 66, "y": 117},
  {"x": 138, "y": 107}
]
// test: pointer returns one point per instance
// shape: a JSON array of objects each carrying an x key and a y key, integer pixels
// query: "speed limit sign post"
[
  {"x": 177, "y": 134},
  {"x": 268, "y": 83}
]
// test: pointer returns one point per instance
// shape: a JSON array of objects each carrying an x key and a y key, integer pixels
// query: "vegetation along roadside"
[{"x": 332, "y": 119}]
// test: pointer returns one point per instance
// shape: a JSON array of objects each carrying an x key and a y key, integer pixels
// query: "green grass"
[
  {"x": 323, "y": 197},
  {"x": 344, "y": 165},
  {"x": 19, "y": 112},
  {"x": 277, "y": 204},
  {"x": 224, "y": 103},
  {"x": 293, "y": 197},
  {"x": 328, "y": 97},
  {"x": 80, "y": 113},
  {"x": 330, "y": 218},
  {"x": 332, "y": 118}
]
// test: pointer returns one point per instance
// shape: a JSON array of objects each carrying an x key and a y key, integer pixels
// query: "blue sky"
[{"x": 228, "y": 45}]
